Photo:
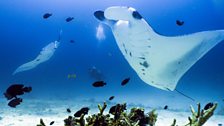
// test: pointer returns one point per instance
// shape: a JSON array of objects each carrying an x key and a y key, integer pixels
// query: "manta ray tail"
[{"x": 185, "y": 95}]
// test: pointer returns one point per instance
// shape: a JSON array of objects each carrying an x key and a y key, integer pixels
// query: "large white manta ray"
[
  {"x": 158, "y": 60},
  {"x": 46, "y": 53}
]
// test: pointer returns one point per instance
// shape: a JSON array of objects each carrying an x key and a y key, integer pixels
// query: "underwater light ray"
[{"x": 159, "y": 61}]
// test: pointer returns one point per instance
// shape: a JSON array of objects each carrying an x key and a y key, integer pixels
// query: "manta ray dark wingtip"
[{"x": 99, "y": 15}]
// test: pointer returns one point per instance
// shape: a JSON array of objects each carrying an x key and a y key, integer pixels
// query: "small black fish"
[
  {"x": 208, "y": 106},
  {"x": 16, "y": 89},
  {"x": 125, "y": 81},
  {"x": 99, "y": 84},
  {"x": 13, "y": 103},
  {"x": 83, "y": 110},
  {"x": 68, "y": 110},
  {"x": 179, "y": 23},
  {"x": 113, "y": 109},
  {"x": 219, "y": 124},
  {"x": 69, "y": 19},
  {"x": 47, "y": 15},
  {"x": 117, "y": 108},
  {"x": 72, "y": 41},
  {"x": 52, "y": 123},
  {"x": 27, "y": 89},
  {"x": 165, "y": 107},
  {"x": 111, "y": 98}
]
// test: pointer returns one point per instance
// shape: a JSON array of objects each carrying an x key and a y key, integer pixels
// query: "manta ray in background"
[
  {"x": 159, "y": 61},
  {"x": 46, "y": 53}
]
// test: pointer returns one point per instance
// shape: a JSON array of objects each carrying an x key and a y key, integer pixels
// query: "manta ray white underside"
[
  {"x": 46, "y": 53},
  {"x": 158, "y": 60}
]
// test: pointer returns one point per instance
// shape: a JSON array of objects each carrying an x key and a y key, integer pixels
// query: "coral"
[
  {"x": 75, "y": 121},
  {"x": 152, "y": 117},
  {"x": 117, "y": 110},
  {"x": 174, "y": 122},
  {"x": 201, "y": 116},
  {"x": 118, "y": 116},
  {"x": 41, "y": 123},
  {"x": 102, "y": 108},
  {"x": 136, "y": 117}
]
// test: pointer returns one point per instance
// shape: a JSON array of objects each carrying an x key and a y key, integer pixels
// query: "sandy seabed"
[{"x": 29, "y": 114}]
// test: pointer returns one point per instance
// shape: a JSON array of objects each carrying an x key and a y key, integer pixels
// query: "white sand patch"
[{"x": 166, "y": 118}]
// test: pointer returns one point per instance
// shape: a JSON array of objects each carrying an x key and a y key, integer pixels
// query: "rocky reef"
[{"x": 119, "y": 116}]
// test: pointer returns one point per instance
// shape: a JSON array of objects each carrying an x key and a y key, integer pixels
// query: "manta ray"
[
  {"x": 158, "y": 60},
  {"x": 45, "y": 54}
]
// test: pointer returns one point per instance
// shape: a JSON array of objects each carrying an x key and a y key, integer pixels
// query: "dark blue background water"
[{"x": 23, "y": 33}]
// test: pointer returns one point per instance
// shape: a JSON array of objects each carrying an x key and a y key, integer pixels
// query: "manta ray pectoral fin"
[
  {"x": 158, "y": 60},
  {"x": 26, "y": 66}
]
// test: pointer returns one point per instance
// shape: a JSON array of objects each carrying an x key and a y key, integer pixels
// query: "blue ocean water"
[{"x": 24, "y": 33}]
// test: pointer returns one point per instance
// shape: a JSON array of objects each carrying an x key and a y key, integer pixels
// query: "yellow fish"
[{"x": 71, "y": 76}]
